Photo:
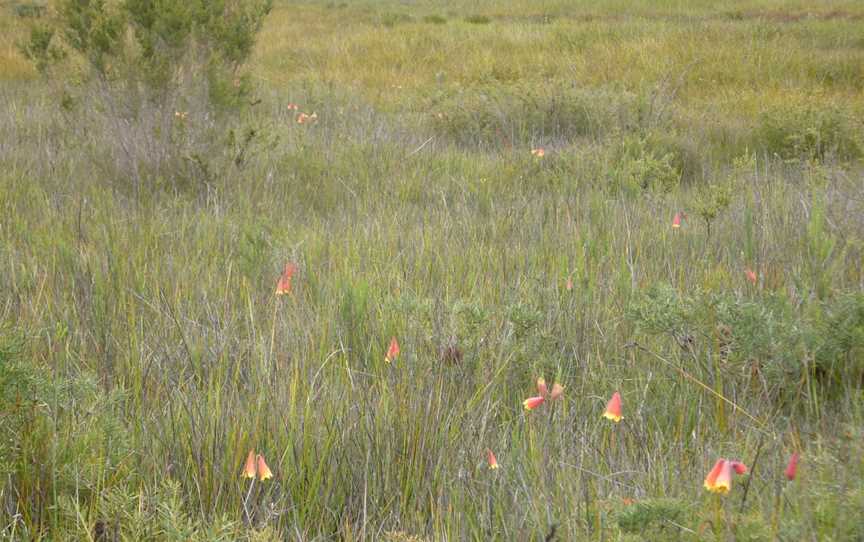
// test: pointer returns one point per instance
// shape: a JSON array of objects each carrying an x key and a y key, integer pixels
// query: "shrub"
[
  {"x": 478, "y": 19},
  {"x": 641, "y": 169},
  {"x": 758, "y": 338},
  {"x": 685, "y": 153},
  {"x": 809, "y": 133},
  {"x": 434, "y": 19},
  {"x": 42, "y": 465},
  {"x": 30, "y": 10},
  {"x": 161, "y": 80},
  {"x": 765, "y": 339},
  {"x": 711, "y": 201},
  {"x": 42, "y": 48},
  {"x": 652, "y": 517},
  {"x": 836, "y": 337},
  {"x": 662, "y": 310}
]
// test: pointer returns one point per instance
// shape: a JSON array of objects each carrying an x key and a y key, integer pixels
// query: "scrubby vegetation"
[{"x": 492, "y": 184}]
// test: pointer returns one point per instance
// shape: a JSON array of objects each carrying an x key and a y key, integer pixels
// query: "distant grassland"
[
  {"x": 711, "y": 73},
  {"x": 732, "y": 57},
  {"x": 143, "y": 352}
]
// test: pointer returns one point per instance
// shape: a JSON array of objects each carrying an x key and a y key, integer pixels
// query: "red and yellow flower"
[
  {"x": 719, "y": 479},
  {"x": 543, "y": 390},
  {"x": 264, "y": 472},
  {"x": 392, "y": 351},
  {"x": 613, "y": 408},
  {"x": 490, "y": 458},
  {"x": 533, "y": 402},
  {"x": 284, "y": 285},
  {"x": 792, "y": 468},
  {"x": 250, "y": 469}
]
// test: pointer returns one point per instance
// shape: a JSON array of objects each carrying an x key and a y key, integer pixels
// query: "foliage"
[
  {"x": 162, "y": 79},
  {"x": 65, "y": 425},
  {"x": 810, "y": 132},
  {"x": 652, "y": 517},
  {"x": 763, "y": 339},
  {"x": 712, "y": 200},
  {"x": 641, "y": 170},
  {"x": 502, "y": 115}
]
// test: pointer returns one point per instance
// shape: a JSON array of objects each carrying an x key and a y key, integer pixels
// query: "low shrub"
[
  {"x": 495, "y": 115},
  {"x": 61, "y": 438},
  {"x": 639, "y": 168},
  {"x": 808, "y": 132},
  {"x": 435, "y": 19},
  {"x": 478, "y": 19},
  {"x": 762, "y": 341}
]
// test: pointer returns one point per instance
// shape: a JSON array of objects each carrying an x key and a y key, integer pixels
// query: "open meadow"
[{"x": 659, "y": 199}]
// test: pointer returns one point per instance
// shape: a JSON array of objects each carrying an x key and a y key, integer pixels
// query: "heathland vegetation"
[{"x": 351, "y": 236}]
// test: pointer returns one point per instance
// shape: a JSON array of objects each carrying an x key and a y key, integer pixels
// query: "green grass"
[{"x": 143, "y": 352}]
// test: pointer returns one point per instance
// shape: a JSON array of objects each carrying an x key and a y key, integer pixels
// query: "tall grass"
[{"x": 143, "y": 352}]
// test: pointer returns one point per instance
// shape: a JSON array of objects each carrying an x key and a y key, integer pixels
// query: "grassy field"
[{"x": 143, "y": 352}]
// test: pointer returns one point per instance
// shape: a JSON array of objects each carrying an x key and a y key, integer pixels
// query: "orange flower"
[
  {"x": 490, "y": 457},
  {"x": 751, "y": 276},
  {"x": 719, "y": 480},
  {"x": 263, "y": 470},
  {"x": 533, "y": 402},
  {"x": 557, "y": 390},
  {"x": 676, "y": 220},
  {"x": 292, "y": 107},
  {"x": 249, "y": 470},
  {"x": 613, "y": 408},
  {"x": 792, "y": 467},
  {"x": 392, "y": 351},
  {"x": 541, "y": 386},
  {"x": 569, "y": 284},
  {"x": 302, "y": 118},
  {"x": 538, "y": 152},
  {"x": 284, "y": 285}
]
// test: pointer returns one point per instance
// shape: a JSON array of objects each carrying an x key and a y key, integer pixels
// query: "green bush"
[
  {"x": 662, "y": 310},
  {"x": 435, "y": 19},
  {"x": 639, "y": 168},
  {"x": 161, "y": 83},
  {"x": 60, "y": 438},
  {"x": 30, "y": 10},
  {"x": 653, "y": 519},
  {"x": 478, "y": 19},
  {"x": 764, "y": 340},
  {"x": 760, "y": 338},
  {"x": 836, "y": 337},
  {"x": 711, "y": 201},
  {"x": 685, "y": 155},
  {"x": 809, "y": 133},
  {"x": 154, "y": 41}
]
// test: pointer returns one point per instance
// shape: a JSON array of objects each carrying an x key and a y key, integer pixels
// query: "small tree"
[
  {"x": 161, "y": 75},
  {"x": 154, "y": 40},
  {"x": 711, "y": 201}
]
